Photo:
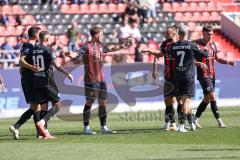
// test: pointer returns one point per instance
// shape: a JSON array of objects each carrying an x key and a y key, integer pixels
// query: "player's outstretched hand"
[
  {"x": 70, "y": 77},
  {"x": 129, "y": 42},
  {"x": 155, "y": 75},
  {"x": 144, "y": 51},
  {"x": 67, "y": 53},
  {"x": 36, "y": 68}
]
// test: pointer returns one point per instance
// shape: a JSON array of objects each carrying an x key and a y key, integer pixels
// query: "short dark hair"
[
  {"x": 95, "y": 30},
  {"x": 42, "y": 35},
  {"x": 32, "y": 31},
  {"x": 207, "y": 28},
  {"x": 182, "y": 30}
]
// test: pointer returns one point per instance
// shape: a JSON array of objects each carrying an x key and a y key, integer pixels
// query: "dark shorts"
[
  {"x": 169, "y": 88},
  {"x": 46, "y": 94},
  {"x": 96, "y": 90},
  {"x": 27, "y": 88},
  {"x": 185, "y": 87},
  {"x": 207, "y": 84}
]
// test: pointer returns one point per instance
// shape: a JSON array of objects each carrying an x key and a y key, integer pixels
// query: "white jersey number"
[
  {"x": 182, "y": 54},
  {"x": 39, "y": 60}
]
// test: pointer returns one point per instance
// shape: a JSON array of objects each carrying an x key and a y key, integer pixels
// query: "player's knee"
[
  {"x": 212, "y": 96},
  {"x": 89, "y": 102},
  {"x": 102, "y": 102},
  {"x": 206, "y": 99}
]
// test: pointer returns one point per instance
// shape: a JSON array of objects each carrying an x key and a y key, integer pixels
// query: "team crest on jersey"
[{"x": 26, "y": 50}]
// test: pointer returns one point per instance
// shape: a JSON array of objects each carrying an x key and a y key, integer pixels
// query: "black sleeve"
[
  {"x": 82, "y": 50},
  {"x": 197, "y": 50},
  {"x": 25, "y": 49},
  {"x": 162, "y": 47}
]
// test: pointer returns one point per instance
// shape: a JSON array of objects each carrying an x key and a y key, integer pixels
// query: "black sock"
[
  {"x": 190, "y": 118},
  {"x": 50, "y": 113},
  {"x": 102, "y": 113},
  {"x": 201, "y": 108},
  {"x": 36, "y": 117},
  {"x": 171, "y": 113},
  {"x": 182, "y": 118},
  {"x": 214, "y": 109},
  {"x": 24, "y": 117},
  {"x": 179, "y": 110},
  {"x": 86, "y": 115},
  {"x": 42, "y": 114},
  {"x": 167, "y": 114}
]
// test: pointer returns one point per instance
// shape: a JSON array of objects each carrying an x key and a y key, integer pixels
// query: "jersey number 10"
[{"x": 39, "y": 60}]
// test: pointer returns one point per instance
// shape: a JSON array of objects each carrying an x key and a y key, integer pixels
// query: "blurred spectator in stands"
[
  {"x": 4, "y": 20},
  {"x": 19, "y": 43},
  {"x": 6, "y": 46},
  {"x": 148, "y": 10},
  {"x": 4, "y": 2},
  {"x": 18, "y": 19},
  {"x": 73, "y": 36},
  {"x": 132, "y": 11},
  {"x": 124, "y": 30}
]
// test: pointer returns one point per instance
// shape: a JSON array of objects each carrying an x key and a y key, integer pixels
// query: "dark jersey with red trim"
[
  {"x": 93, "y": 55},
  {"x": 184, "y": 53},
  {"x": 168, "y": 59},
  {"x": 209, "y": 60}
]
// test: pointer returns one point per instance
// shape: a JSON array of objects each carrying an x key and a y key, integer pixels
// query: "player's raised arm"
[
  {"x": 70, "y": 54},
  {"x": 63, "y": 70},
  {"x": 225, "y": 61},
  {"x": 155, "y": 53},
  {"x": 129, "y": 42}
]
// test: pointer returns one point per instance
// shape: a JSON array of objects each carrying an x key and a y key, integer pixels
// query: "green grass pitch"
[{"x": 135, "y": 140}]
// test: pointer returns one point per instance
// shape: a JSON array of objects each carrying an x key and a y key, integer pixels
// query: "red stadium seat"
[
  {"x": 19, "y": 30},
  {"x": 93, "y": 8},
  {"x": 7, "y": 9},
  {"x": 167, "y": 7},
  {"x": 206, "y": 17},
  {"x": 2, "y": 31},
  {"x": 74, "y": 9},
  {"x": 11, "y": 31},
  {"x": 112, "y": 8},
  {"x": 187, "y": 17},
  {"x": 193, "y": 6},
  {"x": 215, "y": 16},
  {"x": 176, "y": 7},
  {"x": 2, "y": 40},
  {"x": 65, "y": 8},
  {"x": 202, "y": 6},
  {"x": 184, "y": 7},
  {"x": 84, "y": 8},
  {"x": 121, "y": 8},
  {"x": 211, "y": 6},
  {"x": 178, "y": 16},
  {"x": 18, "y": 10},
  {"x": 29, "y": 20},
  {"x": 196, "y": 16},
  {"x": 102, "y": 8}
]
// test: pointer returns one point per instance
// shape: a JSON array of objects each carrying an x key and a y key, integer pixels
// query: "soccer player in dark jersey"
[
  {"x": 206, "y": 76},
  {"x": 26, "y": 72},
  {"x": 92, "y": 54},
  {"x": 169, "y": 98},
  {"x": 44, "y": 86},
  {"x": 184, "y": 54}
]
